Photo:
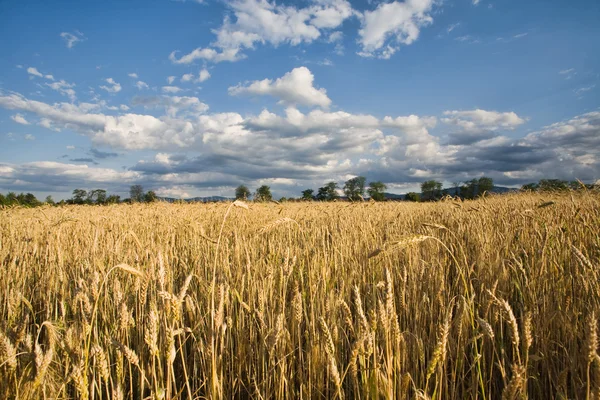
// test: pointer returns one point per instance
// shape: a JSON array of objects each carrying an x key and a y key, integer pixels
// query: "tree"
[
  {"x": 79, "y": 196},
  {"x": 476, "y": 187},
  {"x": 136, "y": 193},
  {"x": 150, "y": 196},
  {"x": 97, "y": 196},
  {"x": 354, "y": 188},
  {"x": 547, "y": 185},
  {"x": 412, "y": 196},
  {"x": 242, "y": 193},
  {"x": 3, "y": 201},
  {"x": 376, "y": 190},
  {"x": 307, "y": 194},
  {"x": 263, "y": 193},
  {"x": 328, "y": 192},
  {"x": 530, "y": 187},
  {"x": 431, "y": 190},
  {"x": 456, "y": 186},
  {"x": 11, "y": 198},
  {"x": 49, "y": 200},
  {"x": 113, "y": 199}
]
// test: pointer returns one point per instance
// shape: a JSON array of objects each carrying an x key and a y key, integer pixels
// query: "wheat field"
[{"x": 486, "y": 299}]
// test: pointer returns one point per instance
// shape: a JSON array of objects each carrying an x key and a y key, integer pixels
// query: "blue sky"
[{"x": 194, "y": 98}]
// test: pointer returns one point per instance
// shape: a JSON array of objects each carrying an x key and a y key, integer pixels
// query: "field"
[{"x": 494, "y": 298}]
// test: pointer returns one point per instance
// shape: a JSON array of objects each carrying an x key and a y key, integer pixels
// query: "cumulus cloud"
[
  {"x": 482, "y": 119},
  {"x": 265, "y": 22},
  {"x": 180, "y": 192},
  {"x": 64, "y": 88},
  {"x": 19, "y": 119},
  {"x": 133, "y": 75},
  {"x": 204, "y": 75},
  {"x": 199, "y": 149},
  {"x": 141, "y": 85},
  {"x": 114, "y": 86},
  {"x": 171, "y": 79},
  {"x": 34, "y": 72},
  {"x": 71, "y": 39},
  {"x": 171, "y": 89},
  {"x": 55, "y": 176},
  {"x": 392, "y": 24},
  {"x": 295, "y": 87},
  {"x": 187, "y": 77},
  {"x": 207, "y": 54}
]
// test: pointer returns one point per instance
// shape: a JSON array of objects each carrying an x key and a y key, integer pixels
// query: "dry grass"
[{"x": 486, "y": 299}]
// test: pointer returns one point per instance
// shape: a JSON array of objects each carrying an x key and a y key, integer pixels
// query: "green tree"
[
  {"x": 553, "y": 185},
  {"x": 136, "y": 193},
  {"x": 477, "y": 187},
  {"x": 307, "y": 194},
  {"x": 354, "y": 188},
  {"x": 376, "y": 190},
  {"x": 49, "y": 200},
  {"x": 263, "y": 193},
  {"x": 431, "y": 190},
  {"x": 113, "y": 199},
  {"x": 328, "y": 192},
  {"x": 3, "y": 201},
  {"x": 242, "y": 193},
  {"x": 11, "y": 198},
  {"x": 412, "y": 196},
  {"x": 79, "y": 196},
  {"x": 97, "y": 196},
  {"x": 150, "y": 196},
  {"x": 530, "y": 187}
]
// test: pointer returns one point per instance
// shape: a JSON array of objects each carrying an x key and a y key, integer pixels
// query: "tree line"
[
  {"x": 354, "y": 189},
  {"x": 81, "y": 196}
]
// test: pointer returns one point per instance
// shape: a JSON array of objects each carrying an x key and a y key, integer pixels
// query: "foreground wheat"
[{"x": 497, "y": 298}]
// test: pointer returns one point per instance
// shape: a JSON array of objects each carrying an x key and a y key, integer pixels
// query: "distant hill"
[{"x": 496, "y": 189}]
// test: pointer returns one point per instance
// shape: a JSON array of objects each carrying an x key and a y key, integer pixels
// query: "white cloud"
[
  {"x": 114, "y": 88},
  {"x": 335, "y": 36},
  {"x": 64, "y": 88},
  {"x": 141, "y": 85},
  {"x": 123, "y": 107},
  {"x": 171, "y": 79},
  {"x": 264, "y": 21},
  {"x": 204, "y": 75},
  {"x": 19, "y": 119},
  {"x": 50, "y": 175},
  {"x": 176, "y": 106},
  {"x": 70, "y": 147},
  {"x": 133, "y": 75},
  {"x": 180, "y": 192},
  {"x": 582, "y": 90},
  {"x": 475, "y": 2},
  {"x": 171, "y": 89},
  {"x": 567, "y": 71},
  {"x": 295, "y": 87},
  {"x": 186, "y": 78},
  {"x": 34, "y": 72},
  {"x": 452, "y": 27},
  {"x": 468, "y": 39},
  {"x": 71, "y": 39},
  {"x": 384, "y": 29},
  {"x": 481, "y": 119},
  {"x": 207, "y": 54},
  {"x": 29, "y": 137}
]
